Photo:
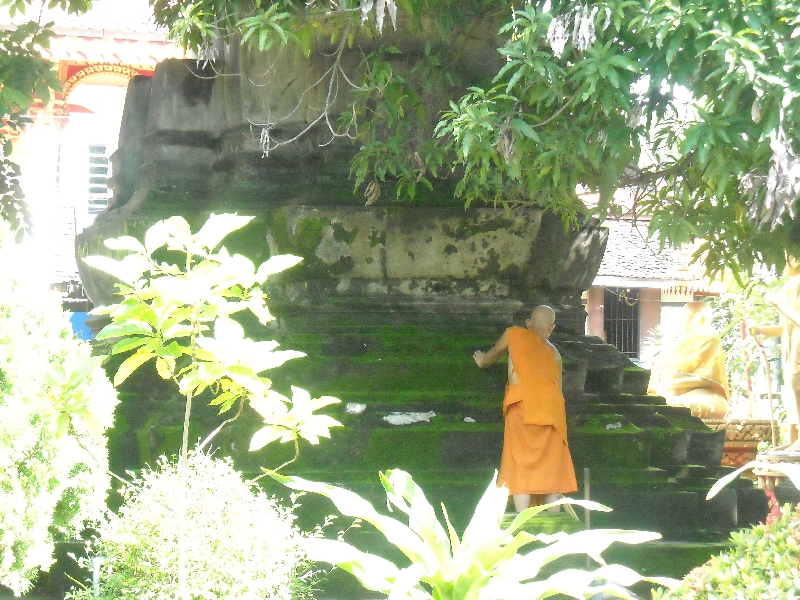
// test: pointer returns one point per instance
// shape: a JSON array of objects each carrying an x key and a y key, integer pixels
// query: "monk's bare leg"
[{"x": 521, "y": 501}]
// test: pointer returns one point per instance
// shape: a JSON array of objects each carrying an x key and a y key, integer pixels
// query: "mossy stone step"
[
  {"x": 408, "y": 344},
  {"x": 387, "y": 415},
  {"x": 387, "y": 373},
  {"x": 362, "y": 319}
]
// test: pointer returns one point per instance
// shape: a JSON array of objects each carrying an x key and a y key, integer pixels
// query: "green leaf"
[
  {"x": 217, "y": 227},
  {"x": 128, "y": 344},
  {"x": 125, "y": 328},
  {"x": 276, "y": 264},
  {"x": 352, "y": 505},
  {"x": 791, "y": 470},
  {"x": 125, "y": 242},
  {"x": 525, "y": 129},
  {"x": 267, "y": 435},
  {"x": 373, "y": 572},
  {"x": 156, "y": 236},
  {"x": 164, "y": 367},
  {"x": 130, "y": 364}
]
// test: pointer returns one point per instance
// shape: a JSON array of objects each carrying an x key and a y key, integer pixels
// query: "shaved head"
[{"x": 542, "y": 320}]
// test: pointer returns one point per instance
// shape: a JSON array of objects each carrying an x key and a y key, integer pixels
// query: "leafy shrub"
[
  {"x": 55, "y": 404},
  {"x": 763, "y": 563},
  {"x": 483, "y": 564},
  {"x": 194, "y": 529},
  {"x": 238, "y": 543}
]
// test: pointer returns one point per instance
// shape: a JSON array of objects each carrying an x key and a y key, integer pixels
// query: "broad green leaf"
[
  {"x": 791, "y": 470},
  {"x": 591, "y": 542},
  {"x": 179, "y": 330},
  {"x": 313, "y": 427},
  {"x": 126, "y": 242},
  {"x": 276, "y": 264},
  {"x": 130, "y": 364},
  {"x": 374, "y": 573},
  {"x": 577, "y": 583},
  {"x": 270, "y": 405},
  {"x": 165, "y": 367},
  {"x": 156, "y": 236},
  {"x": 525, "y": 129},
  {"x": 406, "y": 495},
  {"x": 128, "y": 272},
  {"x": 126, "y": 328},
  {"x": 92, "y": 424},
  {"x": 407, "y": 581},
  {"x": 352, "y": 505},
  {"x": 129, "y": 343},
  {"x": 217, "y": 227},
  {"x": 267, "y": 435}
]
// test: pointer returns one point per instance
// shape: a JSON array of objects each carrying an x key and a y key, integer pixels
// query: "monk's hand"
[{"x": 479, "y": 357}]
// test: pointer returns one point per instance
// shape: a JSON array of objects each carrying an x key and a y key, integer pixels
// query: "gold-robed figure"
[
  {"x": 690, "y": 371},
  {"x": 787, "y": 301}
]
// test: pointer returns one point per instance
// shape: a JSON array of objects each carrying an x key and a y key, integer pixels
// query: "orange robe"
[{"x": 536, "y": 458}]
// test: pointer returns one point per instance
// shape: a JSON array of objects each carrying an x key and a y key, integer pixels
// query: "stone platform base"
[{"x": 742, "y": 437}]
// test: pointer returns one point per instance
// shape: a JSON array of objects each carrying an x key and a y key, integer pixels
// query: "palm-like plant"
[{"x": 484, "y": 564}]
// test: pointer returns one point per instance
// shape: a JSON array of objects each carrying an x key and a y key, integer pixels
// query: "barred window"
[
  {"x": 99, "y": 172},
  {"x": 621, "y": 319}
]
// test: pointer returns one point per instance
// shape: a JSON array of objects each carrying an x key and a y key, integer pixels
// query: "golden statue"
[
  {"x": 787, "y": 301},
  {"x": 691, "y": 370}
]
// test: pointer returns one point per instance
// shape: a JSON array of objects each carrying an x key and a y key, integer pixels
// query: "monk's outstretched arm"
[
  {"x": 486, "y": 359},
  {"x": 767, "y": 330}
]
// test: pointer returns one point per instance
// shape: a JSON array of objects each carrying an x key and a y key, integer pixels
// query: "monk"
[
  {"x": 787, "y": 301},
  {"x": 536, "y": 465},
  {"x": 691, "y": 370}
]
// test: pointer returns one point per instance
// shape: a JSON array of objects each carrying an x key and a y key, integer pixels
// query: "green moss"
[
  {"x": 404, "y": 448},
  {"x": 608, "y": 424},
  {"x": 594, "y": 443},
  {"x": 308, "y": 234},
  {"x": 279, "y": 229},
  {"x": 377, "y": 238},
  {"x": 467, "y": 229},
  {"x": 342, "y": 235}
]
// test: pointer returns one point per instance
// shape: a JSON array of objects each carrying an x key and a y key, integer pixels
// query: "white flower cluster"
[
  {"x": 52, "y": 483},
  {"x": 238, "y": 542}
]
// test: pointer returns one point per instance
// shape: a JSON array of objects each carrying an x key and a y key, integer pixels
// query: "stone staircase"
[{"x": 651, "y": 462}]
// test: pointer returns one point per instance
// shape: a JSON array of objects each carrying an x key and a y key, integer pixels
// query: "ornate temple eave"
[{"x": 132, "y": 52}]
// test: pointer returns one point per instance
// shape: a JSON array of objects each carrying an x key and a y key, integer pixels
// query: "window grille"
[
  {"x": 621, "y": 319},
  {"x": 99, "y": 172}
]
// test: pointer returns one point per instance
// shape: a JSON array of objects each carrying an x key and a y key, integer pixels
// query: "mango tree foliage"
[
  {"x": 486, "y": 563},
  {"x": 693, "y": 107},
  {"x": 690, "y": 107}
]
